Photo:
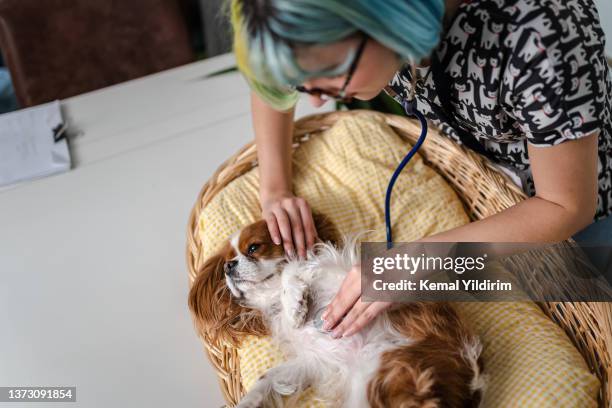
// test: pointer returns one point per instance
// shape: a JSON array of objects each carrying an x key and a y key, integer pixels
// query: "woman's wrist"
[{"x": 274, "y": 193}]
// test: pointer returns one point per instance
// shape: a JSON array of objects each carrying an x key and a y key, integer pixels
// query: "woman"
[{"x": 524, "y": 82}]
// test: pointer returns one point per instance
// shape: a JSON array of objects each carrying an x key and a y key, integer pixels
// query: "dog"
[{"x": 417, "y": 354}]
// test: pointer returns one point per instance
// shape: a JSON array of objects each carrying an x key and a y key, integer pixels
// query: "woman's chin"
[{"x": 366, "y": 96}]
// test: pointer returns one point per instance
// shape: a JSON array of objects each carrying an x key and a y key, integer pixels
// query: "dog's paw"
[
  {"x": 284, "y": 388},
  {"x": 297, "y": 314},
  {"x": 252, "y": 400},
  {"x": 295, "y": 305}
]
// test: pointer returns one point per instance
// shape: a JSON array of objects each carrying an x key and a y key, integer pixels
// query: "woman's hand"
[
  {"x": 289, "y": 219},
  {"x": 348, "y": 299}
]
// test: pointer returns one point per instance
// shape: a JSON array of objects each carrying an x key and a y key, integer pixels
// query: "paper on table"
[{"x": 28, "y": 146}]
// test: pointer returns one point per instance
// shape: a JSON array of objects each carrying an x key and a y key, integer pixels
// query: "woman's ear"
[{"x": 205, "y": 296}]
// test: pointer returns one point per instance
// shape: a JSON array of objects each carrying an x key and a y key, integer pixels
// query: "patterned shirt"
[{"x": 518, "y": 72}]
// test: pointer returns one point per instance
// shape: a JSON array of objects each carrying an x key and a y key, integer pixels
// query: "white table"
[
  {"x": 604, "y": 8},
  {"x": 93, "y": 280}
]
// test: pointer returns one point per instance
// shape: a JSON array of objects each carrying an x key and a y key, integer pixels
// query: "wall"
[{"x": 605, "y": 14}]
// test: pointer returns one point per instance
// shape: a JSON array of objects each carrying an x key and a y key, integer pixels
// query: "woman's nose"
[
  {"x": 318, "y": 100},
  {"x": 320, "y": 83}
]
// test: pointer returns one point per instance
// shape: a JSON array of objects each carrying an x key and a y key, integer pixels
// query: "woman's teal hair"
[{"x": 266, "y": 30}]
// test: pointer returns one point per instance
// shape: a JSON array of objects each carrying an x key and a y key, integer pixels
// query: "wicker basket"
[{"x": 484, "y": 191}]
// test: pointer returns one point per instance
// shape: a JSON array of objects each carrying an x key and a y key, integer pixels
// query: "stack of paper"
[{"x": 33, "y": 144}]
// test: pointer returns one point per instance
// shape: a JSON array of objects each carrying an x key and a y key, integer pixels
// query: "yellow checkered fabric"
[{"x": 343, "y": 173}]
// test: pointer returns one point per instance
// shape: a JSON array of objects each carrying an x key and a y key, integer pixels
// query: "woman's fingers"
[
  {"x": 273, "y": 229},
  {"x": 350, "y": 291},
  {"x": 284, "y": 226},
  {"x": 309, "y": 228},
  {"x": 290, "y": 220},
  {"x": 358, "y": 310},
  {"x": 363, "y": 317},
  {"x": 297, "y": 230}
]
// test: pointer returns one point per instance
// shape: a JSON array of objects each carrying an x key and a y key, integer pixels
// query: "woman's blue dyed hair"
[{"x": 266, "y": 30}]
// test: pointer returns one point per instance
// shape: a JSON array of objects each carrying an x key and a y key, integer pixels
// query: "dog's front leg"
[
  {"x": 283, "y": 380},
  {"x": 294, "y": 296}
]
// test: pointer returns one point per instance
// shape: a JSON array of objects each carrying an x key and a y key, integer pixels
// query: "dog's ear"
[
  {"x": 214, "y": 313},
  {"x": 208, "y": 294},
  {"x": 326, "y": 229}
]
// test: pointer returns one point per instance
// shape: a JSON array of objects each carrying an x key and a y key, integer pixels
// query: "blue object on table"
[{"x": 8, "y": 100}]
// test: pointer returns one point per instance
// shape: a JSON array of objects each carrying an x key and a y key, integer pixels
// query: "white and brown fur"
[{"x": 416, "y": 354}]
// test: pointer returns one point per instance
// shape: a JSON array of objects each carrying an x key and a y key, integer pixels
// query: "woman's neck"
[{"x": 452, "y": 6}]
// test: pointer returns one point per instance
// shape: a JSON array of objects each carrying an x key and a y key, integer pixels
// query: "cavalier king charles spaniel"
[{"x": 418, "y": 354}]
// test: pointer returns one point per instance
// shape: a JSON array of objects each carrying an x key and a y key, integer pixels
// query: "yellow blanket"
[{"x": 343, "y": 173}]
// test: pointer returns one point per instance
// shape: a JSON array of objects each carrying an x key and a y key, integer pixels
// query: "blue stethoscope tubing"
[{"x": 411, "y": 110}]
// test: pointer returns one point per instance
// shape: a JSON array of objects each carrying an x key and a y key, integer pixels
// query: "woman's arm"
[
  {"x": 288, "y": 217},
  {"x": 565, "y": 177},
  {"x": 273, "y": 131}
]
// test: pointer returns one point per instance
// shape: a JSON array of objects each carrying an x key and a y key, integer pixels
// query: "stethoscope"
[{"x": 410, "y": 107}]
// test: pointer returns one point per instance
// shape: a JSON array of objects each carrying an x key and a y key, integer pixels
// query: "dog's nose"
[{"x": 229, "y": 267}]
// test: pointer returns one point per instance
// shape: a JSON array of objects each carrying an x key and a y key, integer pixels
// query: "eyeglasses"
[{"x": 341, "y": 95}]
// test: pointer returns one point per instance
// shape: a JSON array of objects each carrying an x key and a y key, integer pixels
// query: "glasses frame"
[{"x": 341, "y": 95}]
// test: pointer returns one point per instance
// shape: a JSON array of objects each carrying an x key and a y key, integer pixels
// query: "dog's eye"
[{"x": 252, "y": 249}]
